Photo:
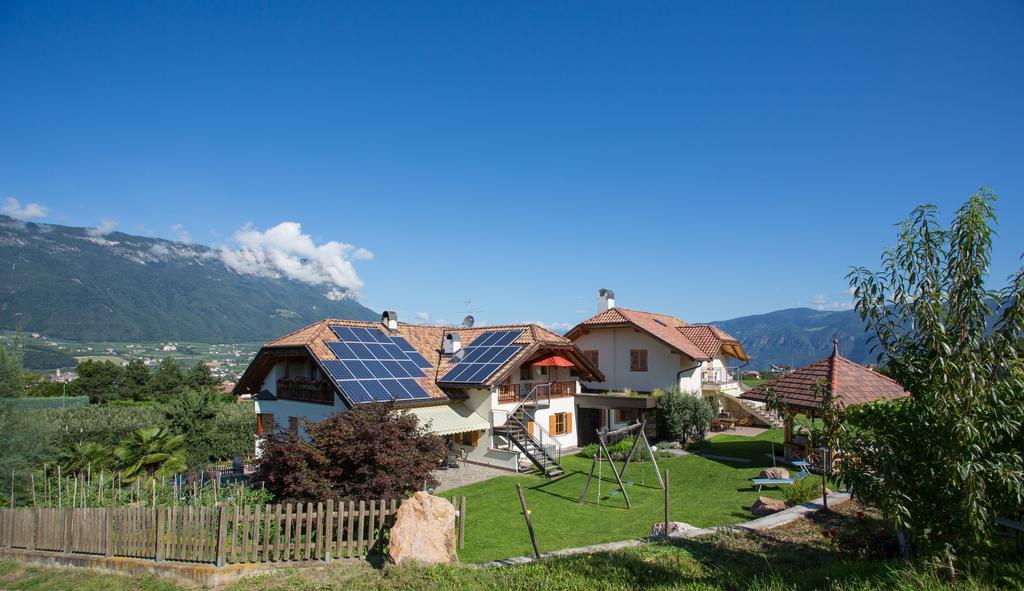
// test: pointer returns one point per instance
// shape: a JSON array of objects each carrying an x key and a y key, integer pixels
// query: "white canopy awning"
[{"x": 448, "y": 419}]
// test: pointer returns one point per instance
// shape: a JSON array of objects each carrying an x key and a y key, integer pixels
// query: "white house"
[
  {"x": 501, "y": 395},
  {"x": 646, "y": 351}
]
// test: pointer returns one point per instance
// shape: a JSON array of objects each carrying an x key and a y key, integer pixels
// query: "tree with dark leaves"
[{"x": 370, "y": 451}]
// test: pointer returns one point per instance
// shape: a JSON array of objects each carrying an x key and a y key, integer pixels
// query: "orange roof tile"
[{"x": 697, "y": 341}]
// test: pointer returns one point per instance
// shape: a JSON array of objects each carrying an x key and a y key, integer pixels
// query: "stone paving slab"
[{"x": 466, "y": 474}]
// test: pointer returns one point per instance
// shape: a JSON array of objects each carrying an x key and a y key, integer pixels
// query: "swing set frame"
[{"x": 603, "y": 435}]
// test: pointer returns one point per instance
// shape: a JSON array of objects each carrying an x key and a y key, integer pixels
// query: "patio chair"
[{"x": 759, "y": 482}]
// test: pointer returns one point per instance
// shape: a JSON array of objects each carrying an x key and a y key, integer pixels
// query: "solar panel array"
[
  {"x": 483, "y": 357},
  {"x": 374, "y": 367}
]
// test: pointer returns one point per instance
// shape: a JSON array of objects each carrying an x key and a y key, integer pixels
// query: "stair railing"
[{"x": 535, "y": 396}]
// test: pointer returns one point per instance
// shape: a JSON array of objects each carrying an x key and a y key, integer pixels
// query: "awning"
[
  {"x": 448, "y": 419},
  {"x": 552, "y": 360}
]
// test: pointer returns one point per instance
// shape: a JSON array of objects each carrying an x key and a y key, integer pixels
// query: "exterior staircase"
[
  {"x": 761, "y": 413},
  {"x": 516, "y": 432}
]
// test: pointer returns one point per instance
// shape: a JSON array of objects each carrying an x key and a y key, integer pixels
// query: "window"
[
  {"x": 471, "y": 438},
  {"x": 264, "y": 423},
  {"x": 293, "y": 425},
  {"x": 560, "y": 423},
  {"x": 591, "y": 357},
  {"x": 543, "y": 371},
  {"x": 638, "y": 360},
  {"x": 525, "y": 372}
]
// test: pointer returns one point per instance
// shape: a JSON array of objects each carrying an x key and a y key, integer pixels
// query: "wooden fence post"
[
  {"x": 328, "y": 531},
  {"x": 108, "y": 519},
  {"x": 161, "y": 526},
  {"x": 69, "y": 520},
  {"x": 222, "y": 534},
  {"x": 34, "y": 512}
]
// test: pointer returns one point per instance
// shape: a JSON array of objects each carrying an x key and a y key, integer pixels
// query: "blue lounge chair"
[{"x": 759, "y": 482}]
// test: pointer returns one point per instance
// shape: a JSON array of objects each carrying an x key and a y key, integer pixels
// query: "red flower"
[
  {"x": 860, "y": 515},
  {"x": 835, "y": 531},
  {"x": 825, "y": 533}
]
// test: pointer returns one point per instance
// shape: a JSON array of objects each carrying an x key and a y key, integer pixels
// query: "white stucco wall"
[
  {"x": 283, "y": 409},
  {"x": 613, "y": 346}
]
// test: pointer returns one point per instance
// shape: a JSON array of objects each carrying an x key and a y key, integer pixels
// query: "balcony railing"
[
  {"x": 720, "y": 375},
  {"x": 318, "y": 392},
  {"x": 516, "y": 392}
]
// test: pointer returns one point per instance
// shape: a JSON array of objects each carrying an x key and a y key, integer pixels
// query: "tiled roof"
[
  {"x": 851, "y": 384},
  {"x": 426, "y": 339},
  {"x": 698, "y": 341}
]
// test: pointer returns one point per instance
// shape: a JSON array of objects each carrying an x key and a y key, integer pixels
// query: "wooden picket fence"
[{"x": 212, "y": 535}]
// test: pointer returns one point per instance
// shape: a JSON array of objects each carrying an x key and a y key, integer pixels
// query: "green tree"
[
  {"x": 152, "y": 451},
  {"x": 37, "y": 386},
  {"x": 193, "y": 414},
  {"x": 12, "y": 380},
  {"x": 137, "y": 380},
  {"x": 79, "y": 458},
  {"x": 26, "y": 443},
  {"x": 201, "y": 378},
  {"x": 101, "y": 381},
  {"x": 945, "y": 462},
  {"x": 168, "y": 380},
  {"x": 684, "y": 416}
]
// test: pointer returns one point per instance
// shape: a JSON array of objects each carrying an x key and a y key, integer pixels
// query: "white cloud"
[
  {"x": 558, "y": 327},
  {"x": 424, "y": 316},
  {"x": 29, "y": 211},
  {"x": 285, "y": 251},
  {"x": 181, "y": 234},
  {"x": 106, "y": 227},
  {"x": 160, "y": 250},
  {"x": 820, "y": 302}
]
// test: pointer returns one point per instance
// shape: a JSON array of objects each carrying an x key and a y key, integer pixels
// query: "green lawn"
[{"x": 704, "y": 492}]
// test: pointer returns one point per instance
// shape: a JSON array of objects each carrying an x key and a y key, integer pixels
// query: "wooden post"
[
  {"x": 327, "y": 531},
  {"x": 68, "y": 515},
  {"x": 462, "y": 523},
  {"x": 529, "y": 522},
  {"x": 108, "y": 519},
  {"x": 161, "y": 526},
  {"x": 222, "y": 534},
  {"x": 665, "y": 533},
  {"x": 825, "y": 465}
]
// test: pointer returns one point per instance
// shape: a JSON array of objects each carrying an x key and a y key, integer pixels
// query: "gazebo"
[{"x": 850, "y": 383}]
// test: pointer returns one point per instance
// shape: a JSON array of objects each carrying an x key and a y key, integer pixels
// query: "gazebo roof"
[{"x": 851, "y": 384}]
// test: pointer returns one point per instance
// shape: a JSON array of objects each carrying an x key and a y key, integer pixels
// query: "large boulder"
[
  {"x": 774, "y": 473},
  {"x": 765, "y": 506},
  {"x": 424, "y": 531}
]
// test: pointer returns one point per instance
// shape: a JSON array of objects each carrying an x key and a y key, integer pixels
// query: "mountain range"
[
  {"x": 798, "y": 336},
  {"x": 74, "y": 283}
]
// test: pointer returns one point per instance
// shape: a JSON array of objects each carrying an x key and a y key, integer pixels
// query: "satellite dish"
[{"x": 468, "y": 321}]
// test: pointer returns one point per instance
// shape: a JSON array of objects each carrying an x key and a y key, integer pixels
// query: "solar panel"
[
  {"x": 372, "y": 366},
  {"x": 483, "y": 357}
]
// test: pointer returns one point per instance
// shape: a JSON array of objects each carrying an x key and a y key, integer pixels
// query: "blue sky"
[{"x": 708, "y": 159}]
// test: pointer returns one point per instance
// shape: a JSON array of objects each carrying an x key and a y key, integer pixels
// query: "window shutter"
[
  {"x": 474, "y": 438},
  {"x": 259, "y": 424},
  {"x": 568, "y": 422},
  {"x": 552, "y": 423},
  {"x": 529, "y": 428}
]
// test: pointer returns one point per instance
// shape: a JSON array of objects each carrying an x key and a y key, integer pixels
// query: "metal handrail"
[{"x": 510, "y": 414}]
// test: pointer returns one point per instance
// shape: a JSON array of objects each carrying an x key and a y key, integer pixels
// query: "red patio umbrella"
[{"x": 553, "y": 360}]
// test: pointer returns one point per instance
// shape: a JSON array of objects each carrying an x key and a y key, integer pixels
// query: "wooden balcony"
[
  {"x": 317, "y": 392},
  {"x": 516, "y": 392}
]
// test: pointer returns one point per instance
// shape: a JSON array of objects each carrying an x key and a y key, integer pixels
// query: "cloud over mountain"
[
  {"x": 28, "y": 211},
  {"x": 285, "y": 251}
]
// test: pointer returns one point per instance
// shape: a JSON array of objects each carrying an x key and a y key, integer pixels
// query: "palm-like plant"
[
  {"x": 151, "y": 452},
  {"x": 81, "y": 457}
]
